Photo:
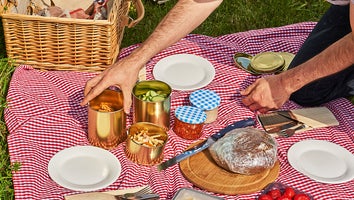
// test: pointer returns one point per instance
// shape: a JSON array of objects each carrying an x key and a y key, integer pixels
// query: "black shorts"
[{"x": 332, "y": 26}]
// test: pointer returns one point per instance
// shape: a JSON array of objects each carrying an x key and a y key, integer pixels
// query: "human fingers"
[
  {"x": 247, "y": 101},
  {"x": 248, "y": 94},
  {"x": 254, "y": 107},
  {"x": 263, "y": 110},
  {"x": 259, "y": 108},
  {"x": 91, "y": 83},
  {"x": 127, "y": 100},
  {"x": 252, "y": 97},
  {"x": 248, "y": 90},
  {"x": 95, "y": 91}
]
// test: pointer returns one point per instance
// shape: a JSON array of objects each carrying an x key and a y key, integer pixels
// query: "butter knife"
[
  {"x": 287, "y": 115},
  {"x": 282, "y": 127},
  {"x": 206, "y": 144}
]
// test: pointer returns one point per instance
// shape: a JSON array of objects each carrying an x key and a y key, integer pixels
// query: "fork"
[
  {"x": 145, "y": 193},
  {"x": 290, "y": 132},
  {"x": 150, "y": 196}
]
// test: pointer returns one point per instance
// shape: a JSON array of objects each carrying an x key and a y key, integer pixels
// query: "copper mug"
[
  {"x": 157, "y": 112},
  {"x": 107, "y": 120},
  {"x": 142, "y": 150}
]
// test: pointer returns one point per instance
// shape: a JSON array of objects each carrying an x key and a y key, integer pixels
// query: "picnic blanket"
[{"x": 44, "y": 117}]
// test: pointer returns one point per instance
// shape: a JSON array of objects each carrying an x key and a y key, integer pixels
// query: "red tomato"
[
  {"x": 284, "y": 198},
  {"x": 265, "y": 197},
  {"x": 274, "y": 193},
  {"x": 301, "y": 196},
  {"x": 289, "y": 192}
]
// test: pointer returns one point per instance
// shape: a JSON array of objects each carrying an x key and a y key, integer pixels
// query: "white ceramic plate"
[
  {"x": 184, "y": 71},
  {"x": 84, "y": 168},
  {"x": 322, "y": 161}
]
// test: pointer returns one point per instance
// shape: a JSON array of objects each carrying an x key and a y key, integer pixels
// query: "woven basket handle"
[
  {"x": 140, "y": 13},
  {"x": 123, "y": 19},
  {"x": 6, "y": 5}
]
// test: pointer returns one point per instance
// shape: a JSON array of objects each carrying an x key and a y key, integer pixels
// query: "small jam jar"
[
  {"x": 208, "y": 101},
  {"x": 189, "y": 122}
]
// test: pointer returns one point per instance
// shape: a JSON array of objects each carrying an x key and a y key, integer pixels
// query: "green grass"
[
  {"x": 232, "y": 16},
  {"x": 6, "y": 189}
]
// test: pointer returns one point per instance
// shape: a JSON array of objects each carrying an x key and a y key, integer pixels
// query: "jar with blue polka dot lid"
[
  {"x": 208, "y": 101},
  {"x": 189, "y": 122}
]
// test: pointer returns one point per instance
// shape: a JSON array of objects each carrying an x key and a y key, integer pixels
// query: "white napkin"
[{"x": 316, "y": 117}]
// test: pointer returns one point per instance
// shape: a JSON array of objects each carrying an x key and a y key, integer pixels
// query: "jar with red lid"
[{"x": 189, "y": 122}]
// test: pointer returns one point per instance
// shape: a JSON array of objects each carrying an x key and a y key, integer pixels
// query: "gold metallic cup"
[
  {"x": 107, "y": 120},
  {"x": 143, "y": 154},
  {"x": 154, "y": 112}
]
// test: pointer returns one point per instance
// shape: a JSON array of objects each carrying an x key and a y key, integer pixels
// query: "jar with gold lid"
[{"x": 189, "y": 122}]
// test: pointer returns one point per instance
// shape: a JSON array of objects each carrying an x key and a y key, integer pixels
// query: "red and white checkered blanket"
[{"x": 44, "y": 117}]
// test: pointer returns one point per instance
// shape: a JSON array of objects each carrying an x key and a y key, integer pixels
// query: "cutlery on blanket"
[
  {"x": 144, "y": 193},
  {"x": 291, "y": 131},
  {"x": 151, "y": 196},
  {"x": 205, "y": 144},
  {"x": 105, "y": 196},
  {"x": 288, "y": 115},
  {"x": 282, "y": 127}
]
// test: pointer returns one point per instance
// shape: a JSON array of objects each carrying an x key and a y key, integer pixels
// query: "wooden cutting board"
[{"x": 201, "y": 170}]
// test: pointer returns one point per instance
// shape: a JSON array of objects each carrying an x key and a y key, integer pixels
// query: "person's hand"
[
  {"x": 265, "y": 94},
  {"x": 122, "y": 74}
]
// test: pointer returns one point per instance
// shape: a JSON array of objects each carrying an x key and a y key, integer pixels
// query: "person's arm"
[
  {"x": 273, "y": 91},
  {"x": 182, "y": 19}
]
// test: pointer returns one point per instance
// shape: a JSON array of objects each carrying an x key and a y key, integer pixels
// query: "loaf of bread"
[{"x": 245, "y": 151}]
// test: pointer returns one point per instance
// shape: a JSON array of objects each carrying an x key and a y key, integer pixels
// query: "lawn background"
[{"x": 232, "y": 16}]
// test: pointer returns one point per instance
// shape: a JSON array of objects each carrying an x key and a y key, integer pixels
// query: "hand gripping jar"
[
  {"x": 189, "y": 122},
  {"x": 208, "y": 101}
]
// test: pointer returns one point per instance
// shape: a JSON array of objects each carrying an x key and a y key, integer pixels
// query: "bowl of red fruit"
[{"x": 280, "y": 191}]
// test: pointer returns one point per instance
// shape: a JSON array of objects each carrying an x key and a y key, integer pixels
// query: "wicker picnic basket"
[{"x": 52, "y": 43}]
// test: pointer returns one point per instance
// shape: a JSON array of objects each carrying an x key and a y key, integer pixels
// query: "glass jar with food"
[{"x": 189, "y": 122}]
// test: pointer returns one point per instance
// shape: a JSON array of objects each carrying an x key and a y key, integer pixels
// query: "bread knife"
[
  {"x": 205, "y": 144},
  {"x": 288, "y": 116}
]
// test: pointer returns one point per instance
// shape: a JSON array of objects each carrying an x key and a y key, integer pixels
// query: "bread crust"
[{"x": 245, "y": 151}]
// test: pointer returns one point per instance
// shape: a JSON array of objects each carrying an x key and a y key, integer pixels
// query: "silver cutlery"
[
  {"x": 288, "y": 116},
  {"x": 143, "y": 194},
  {"x": 291, "y": 131},
  {"x": 150, "y": 196},
  {"x": 282, "y": 127}
]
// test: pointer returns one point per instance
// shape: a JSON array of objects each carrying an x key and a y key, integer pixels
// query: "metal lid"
[
  {"x": 267, "y": 62},
  {"x": 205, "y": 99},
  {"x": 190, "y": 114},
  {"x": 288, "y": 57}
]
